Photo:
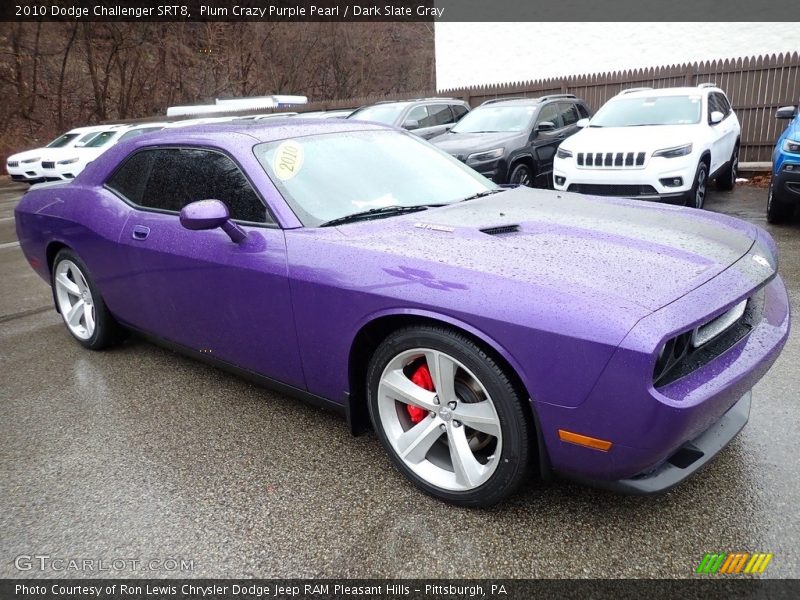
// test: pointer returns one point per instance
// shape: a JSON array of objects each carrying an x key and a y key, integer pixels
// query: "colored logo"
[{"x": 736, "y": 562}]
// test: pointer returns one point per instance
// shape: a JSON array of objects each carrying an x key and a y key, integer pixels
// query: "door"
[
  {"x": 724, "y": 133},
  {"x": 199, "y": 289},
  {"x": 428, "y": 121},
  {"x": 545, "y": 143}
]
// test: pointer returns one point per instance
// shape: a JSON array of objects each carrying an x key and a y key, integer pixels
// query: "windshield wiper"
[
  {"x": 383, "y": 211},
  {"x": 482, "y": 194}
]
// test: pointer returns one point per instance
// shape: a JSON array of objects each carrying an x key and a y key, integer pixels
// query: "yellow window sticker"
[{"x": 288, "y": 160}]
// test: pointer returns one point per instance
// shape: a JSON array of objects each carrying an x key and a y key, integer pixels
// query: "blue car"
[{"x": 784, "y": 190}]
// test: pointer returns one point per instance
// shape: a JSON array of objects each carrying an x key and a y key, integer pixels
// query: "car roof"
[{"x": 265, "y": 130}]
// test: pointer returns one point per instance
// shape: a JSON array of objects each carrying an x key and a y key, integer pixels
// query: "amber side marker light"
[{"x": 584, "y": 440}]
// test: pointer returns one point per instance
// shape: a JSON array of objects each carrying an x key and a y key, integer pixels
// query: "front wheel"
[
  {"x": 777, "y": 211},
  {"x": 448, "y": 416},
  {"x": 81, "y": 305},
  {"x": 697, "y": 195},
  {"x": 521, "y": 175}
]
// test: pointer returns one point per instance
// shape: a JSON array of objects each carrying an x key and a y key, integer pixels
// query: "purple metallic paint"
[{"x": 577, "y": 301}]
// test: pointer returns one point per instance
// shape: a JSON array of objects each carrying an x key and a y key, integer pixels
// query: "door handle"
[{"x": 140, "y": 232}]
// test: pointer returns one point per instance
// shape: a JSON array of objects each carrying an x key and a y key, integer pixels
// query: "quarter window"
[{"x": 168, "y": 179}]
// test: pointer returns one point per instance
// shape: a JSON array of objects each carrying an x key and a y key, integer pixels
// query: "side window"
[
  {"x": 459, "y": 110},
  {"x": 549, "y": 112},
  {"x": 439, "y": 114},
  {"x": 419, "y": 114},
  {"x": 724, "y": 104},
  {"x": 569, "y": 114},
  {"x": 713, "y": 104},
  {"x": 170, "y": 178},
  {"x": 583, "y": 111}
]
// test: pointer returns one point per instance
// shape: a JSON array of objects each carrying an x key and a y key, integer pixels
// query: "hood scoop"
[{"x": 501, "y": 230}]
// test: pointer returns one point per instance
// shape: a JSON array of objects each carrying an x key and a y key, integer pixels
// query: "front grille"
[
  {"x": 13, "y": 163},
  {"x": 793, "y": 187},
  {"x": 610, "y": 160},
  {"x": 612, "y": 189},
  {"x": 48, "y": 164},
  {"x": 694, "y": 358}
]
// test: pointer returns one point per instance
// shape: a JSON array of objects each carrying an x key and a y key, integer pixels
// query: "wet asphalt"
[{"x": 139, "y": 453}]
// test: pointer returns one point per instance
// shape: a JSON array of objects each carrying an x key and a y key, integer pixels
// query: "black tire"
[
  {"x": 521, "y": 175},
  {"x": 516, "y": 428},
  {"x": 697, "y": 195},
  {"x": 107, "y": 332},
  {"x": 777, "y": 212},
  {"x": 726, "y": 180}
]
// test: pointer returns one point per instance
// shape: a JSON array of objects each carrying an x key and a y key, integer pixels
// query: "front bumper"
[
  {"x": 786, "y": 185},
  {"x": 30, "y": 173},
  {"x": 688, "y": 459},
  {"x": 645, "y": 183}
]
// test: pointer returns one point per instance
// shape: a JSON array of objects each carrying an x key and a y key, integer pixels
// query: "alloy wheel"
[
  {"x": 700, "y": 192},
  {"x": 75, "y": 301},
  {"x": 439, "y": 419}
]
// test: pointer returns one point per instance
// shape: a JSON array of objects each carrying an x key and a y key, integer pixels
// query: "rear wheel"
[
  {"x": 81, "y": 305},
  {"x": 726, "y": 180},
  {"x": 521, "y": 175},
  {"x": 448, "y": 416},
  {"x": 777, "y": 211}
]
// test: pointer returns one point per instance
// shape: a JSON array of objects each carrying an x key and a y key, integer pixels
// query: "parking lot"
[{"x": 141, "y": 453}]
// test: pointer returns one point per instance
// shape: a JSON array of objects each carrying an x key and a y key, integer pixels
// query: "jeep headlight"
[
  {"x": 485, "y": 155},
  {"x": 674, "y": 152},
  {"x": 563, "y": 153},
  {"x": 68, "y": 161},
  {"x": 791, "y": 146},
  {"x": 30, "y": 160}
]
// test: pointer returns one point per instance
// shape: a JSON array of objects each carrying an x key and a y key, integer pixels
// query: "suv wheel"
[
  {"x": 726, "y": 180},
  {"x": 777, "y": 212},
  {"x": 697, "y": 195},
  {"x": 521, "y": 175}
]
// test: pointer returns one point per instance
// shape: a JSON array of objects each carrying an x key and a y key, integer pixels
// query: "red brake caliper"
[{"x": 422, "y": 378}]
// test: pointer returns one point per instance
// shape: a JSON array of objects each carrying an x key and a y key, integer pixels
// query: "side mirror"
[
  {"x": 411, "y": 124},
  {"x": 716, "y": 117},
  {"x": 546, "y": 126},
  {"x": 210, "y": 214},
  {"x": 786, "y": 112},
  {"x": 582, "y": 123}
]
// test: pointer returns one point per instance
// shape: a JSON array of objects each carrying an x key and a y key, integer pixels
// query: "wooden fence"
[{"x": 756, "y": 87}]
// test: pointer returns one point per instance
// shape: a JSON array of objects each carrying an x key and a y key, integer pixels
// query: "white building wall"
[{"x": 479, "y": 53}]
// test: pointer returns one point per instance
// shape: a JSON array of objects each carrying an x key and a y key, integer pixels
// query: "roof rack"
[
  {"x": 707, "y": 84},
  {"x": 555, "y": 96},
  {"x": 493, "y": 100},
  {"x": 636, "y": 89}
]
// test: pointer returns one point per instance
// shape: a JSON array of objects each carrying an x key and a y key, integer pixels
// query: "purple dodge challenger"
[{"x": 483, "y": 332}]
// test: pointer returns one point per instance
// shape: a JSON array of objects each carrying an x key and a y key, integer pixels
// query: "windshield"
[
  {"x": 62, "y": 141},
  {"x": 137, "y": 132},
  {"x": 325, "y": 177},
  {"x": 495, "y": 118},
  {"x": 101, "y": 139},
  {"x": 380, "y": 113},
  {"x": 657, "y": 110}
]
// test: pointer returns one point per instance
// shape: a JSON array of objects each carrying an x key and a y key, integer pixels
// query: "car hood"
[
  {"x": 629, "y": 139},
  {"x": 20, "y": 156},
  {"x": 462, "y": 144},
  {"x": 73, "y": 152},
  {"x": 622, "y": 252}
]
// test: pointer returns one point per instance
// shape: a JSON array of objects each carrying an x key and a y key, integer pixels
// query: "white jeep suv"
[{"x": 653, "y": 144}]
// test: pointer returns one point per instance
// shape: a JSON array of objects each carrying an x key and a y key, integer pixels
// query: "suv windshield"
[
  {"x": 62, "y": 141},
  {"x": 655, "y": 110},
  {"x": 100, "y": 139},
  {"x": 486, "y": 119},
  {"x": 380, "y": 113},
  {"x": 326, "y": 177}
]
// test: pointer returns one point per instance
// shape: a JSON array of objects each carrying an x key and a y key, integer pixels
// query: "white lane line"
[{"x": 9, "y": 245}]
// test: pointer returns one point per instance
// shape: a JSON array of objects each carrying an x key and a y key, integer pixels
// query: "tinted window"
[
  {"x": 569, "y": 114},
  {"x": 459, "y": 110},
  {"x": 549, "y": 112},
  {"x": 169, "y": 179},
  {"x": 584, "y": 112},
  {"x": 439, "y": 114}
]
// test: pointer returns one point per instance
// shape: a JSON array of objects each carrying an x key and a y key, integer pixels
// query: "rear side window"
[{"x": 167, "y": 179}]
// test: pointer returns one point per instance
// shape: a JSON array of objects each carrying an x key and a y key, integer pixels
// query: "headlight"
[
  {"x": 30, "y": 160},
  {"x": 562, "y": 153},
  {"x": 791, "y": 146},
  {"x": 674, "y": 152},
  {"x": 484, "y": 156},
  {"x": 68, "y": 161}
]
